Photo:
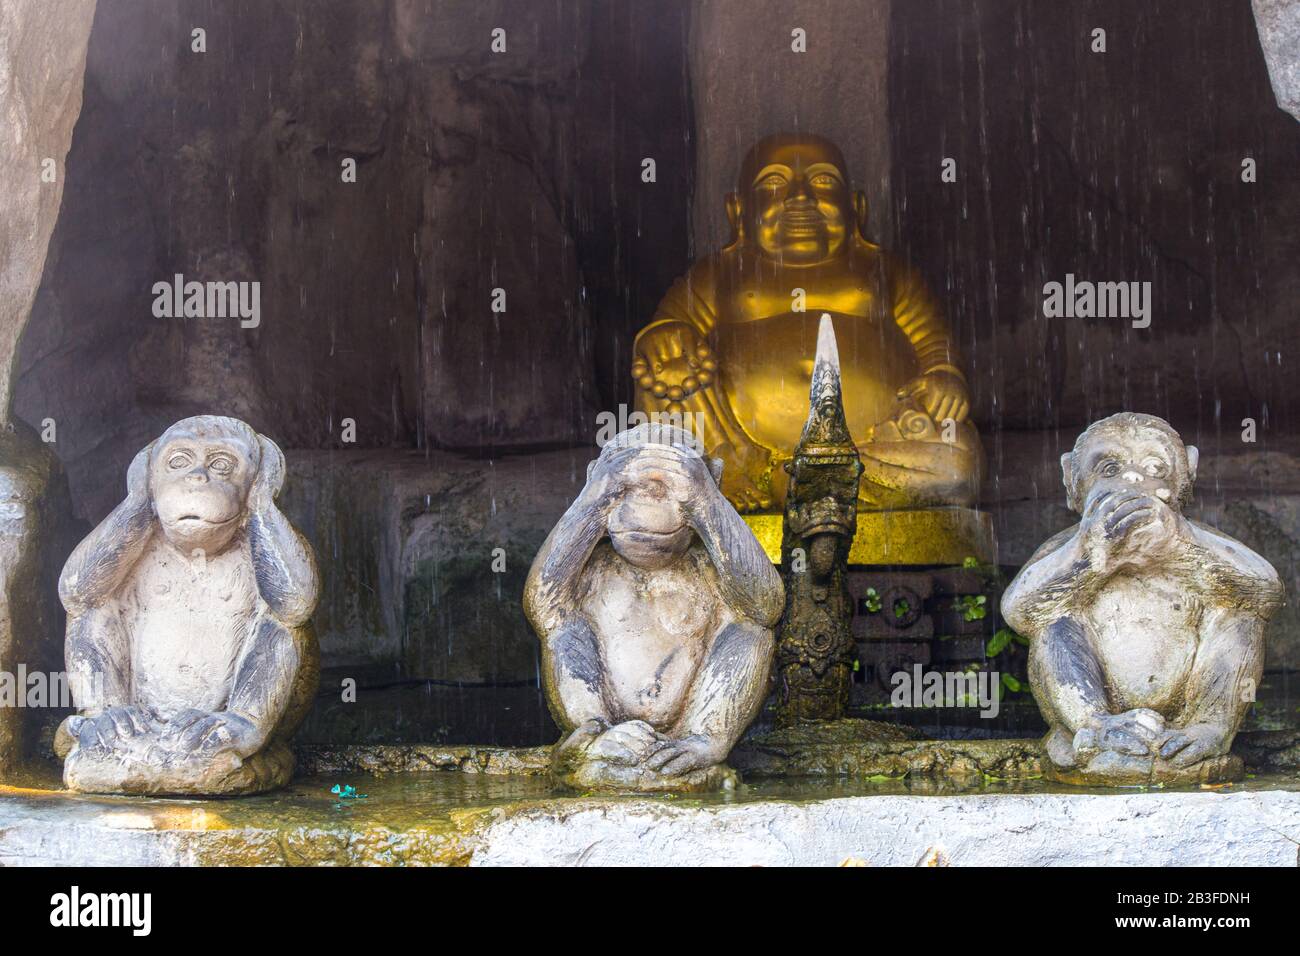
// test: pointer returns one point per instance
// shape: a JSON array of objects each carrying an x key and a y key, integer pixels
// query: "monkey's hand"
[
  {"x": 1136, "y": 732},
  {"x": 269, "y": 480},
  {"x": 111, "y": 727},
  {"x": 1121, "y": 527},
  {"x": 628, "y": 744},
  {"x": 677, "y": 757},
  {"x": 942, "y": 394},
  {"x": 1192, "y": 744},
  {"x": 201, "y": 732},
  {"x": 609, "y": 479},
  {"x": 137, "y": 476},
  {"x": 683, "y": 475}
]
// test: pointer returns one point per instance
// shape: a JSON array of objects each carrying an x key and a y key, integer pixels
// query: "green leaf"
[
  {"x": 1011, "y": 683},
  {"x": 997, "y": 643}
]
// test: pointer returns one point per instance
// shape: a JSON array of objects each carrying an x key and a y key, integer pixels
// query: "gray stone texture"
[
  {"x": 1279, "y": 36},
  {"x": 42, "y": 60},
  {"x": 1256, "y": 828},
  {"x": 1166, "y": 829},
  {"x": 33, "y": 530}
]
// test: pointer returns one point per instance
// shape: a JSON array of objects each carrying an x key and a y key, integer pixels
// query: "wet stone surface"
[
  {"x": 886, "y": 800},
  {"x": 452, "y": 818}
]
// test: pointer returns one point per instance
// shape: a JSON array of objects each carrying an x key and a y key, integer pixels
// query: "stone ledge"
[
  {"x": 409, "y": 758},
  {"x": 457, "y": 819},
  {"x": 1264, "y": 751},
  {"x": 1050, "y": 829},
  {"x": 1004, "y": 759}
]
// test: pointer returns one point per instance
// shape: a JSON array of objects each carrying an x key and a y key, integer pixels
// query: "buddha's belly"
[{"x": 768, "y": 371}]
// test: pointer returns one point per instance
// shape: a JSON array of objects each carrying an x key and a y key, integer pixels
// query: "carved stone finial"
[{"x": 815, "y": 642}]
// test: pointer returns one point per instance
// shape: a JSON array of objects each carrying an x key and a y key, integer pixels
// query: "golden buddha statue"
[{"x": 732, "y": 343}]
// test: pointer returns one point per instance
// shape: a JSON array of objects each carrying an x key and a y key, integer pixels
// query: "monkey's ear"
[
  {"x": 1193, "y": 457},
  {"x": 1068, "y": 476},
  {"x": 860, "y": 210},
  {"x": 736, "y": 216}
]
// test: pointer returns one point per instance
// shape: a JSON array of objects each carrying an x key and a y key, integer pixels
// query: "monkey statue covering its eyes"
[{"x": 655, "y": 605}]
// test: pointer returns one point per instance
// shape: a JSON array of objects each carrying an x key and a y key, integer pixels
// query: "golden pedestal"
[{"x": 910, "y": 537}]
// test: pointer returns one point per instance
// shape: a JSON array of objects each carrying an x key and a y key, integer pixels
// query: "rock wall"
[
  {"x": 1279, "y": 36},
  {"x": 748, "y": 81},
  {"x": 42, "y": 59},
  {"x": 1116, "y": 166},
  {"x": 475, "y": 171}
]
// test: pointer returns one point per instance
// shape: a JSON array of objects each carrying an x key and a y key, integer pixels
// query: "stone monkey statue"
[
  {"x": 189, "y": 644},
  {"x": 655, "y": 606},
  {"x": 1146, "y": 628}
]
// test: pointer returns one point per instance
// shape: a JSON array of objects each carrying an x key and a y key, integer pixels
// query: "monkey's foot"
[
  {"x": 1112, "y": 769},
  {"x": 603, "y": 775},
  {"x": 147, "y": 769}
]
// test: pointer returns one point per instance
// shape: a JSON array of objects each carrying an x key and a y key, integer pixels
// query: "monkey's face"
[
  {"x": 200, "y": 487},
  {"x": 648, "y": 529},
  {"x": 1141, "y": 461}
]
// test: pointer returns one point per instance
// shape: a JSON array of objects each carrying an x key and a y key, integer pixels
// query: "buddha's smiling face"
[{"x": 796, "y": 203}]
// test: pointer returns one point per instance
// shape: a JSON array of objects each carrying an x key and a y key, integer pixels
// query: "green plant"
[
  {"x": 971, "y": 606},
  {"x": 901, "y": 608},
  {"x": 872, "y": 599},
  {"x": 1009, "y": 682},
  {"x": 1002, "y": 639}
]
